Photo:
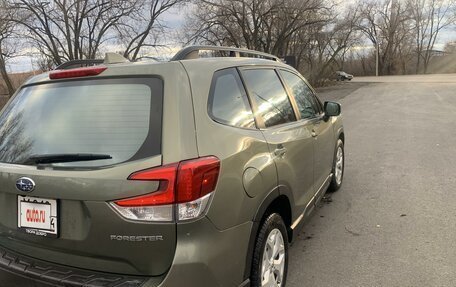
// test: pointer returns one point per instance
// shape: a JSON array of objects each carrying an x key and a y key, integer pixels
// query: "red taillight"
[
  {"x": 165, "y": 194},
  {"x": 196, "y": 178},
  {"x": 75, "y": 73},
  {"x": 183, "y": 182}
]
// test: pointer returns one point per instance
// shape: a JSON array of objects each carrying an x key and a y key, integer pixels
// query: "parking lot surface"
[{"x": 393, "y": 221}]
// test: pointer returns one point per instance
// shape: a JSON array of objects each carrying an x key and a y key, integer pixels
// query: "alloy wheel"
[{"x": 273, "y": 263}]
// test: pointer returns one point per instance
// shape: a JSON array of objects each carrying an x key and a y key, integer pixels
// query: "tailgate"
[{"x": 67, "y": 149}]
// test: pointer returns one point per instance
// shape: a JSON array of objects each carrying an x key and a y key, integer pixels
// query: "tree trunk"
[
  {"x": 418, "y": 62},
  {"x": 6, "y": 78}
]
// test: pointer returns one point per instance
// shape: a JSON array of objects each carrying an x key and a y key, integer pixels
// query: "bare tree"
[
  {"x": 332, "y": 42},
  {"x": 6, "y": 50},
  {"x": 144, "y": 28},
  {"x": 254, "y": 24},
  {"x": 430, "y": 17},
  {"x": 318, "y": 33},
  {"x": 70, "y": 29},
  {"x": 387, "y": 25}
]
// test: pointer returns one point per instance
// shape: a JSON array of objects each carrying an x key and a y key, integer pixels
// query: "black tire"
[
  {"x": 335, "y": 185},
  {"x": 272, "y": 223}
]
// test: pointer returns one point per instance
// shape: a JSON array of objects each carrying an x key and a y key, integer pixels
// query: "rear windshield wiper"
[{"x": 65, "y": 157}]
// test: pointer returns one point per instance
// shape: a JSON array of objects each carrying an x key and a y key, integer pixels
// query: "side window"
[
  {"x": 272, "y": 101},
  {"x": 228, "y": 102},
  {"x": 307, "y": 103}
]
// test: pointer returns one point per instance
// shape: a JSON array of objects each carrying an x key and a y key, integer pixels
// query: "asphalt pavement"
[{"x": 393, "y": 221}]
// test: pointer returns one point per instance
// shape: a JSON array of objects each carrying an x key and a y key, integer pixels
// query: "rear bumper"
[
  {"x": 204, "y": 256},
  {"x": 23, "y": 268}
]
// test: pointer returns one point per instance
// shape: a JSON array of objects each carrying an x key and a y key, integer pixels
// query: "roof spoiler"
[{"x": 110, "y": 58}]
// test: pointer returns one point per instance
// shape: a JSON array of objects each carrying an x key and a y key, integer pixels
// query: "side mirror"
[{"x": 332, "y": 109}]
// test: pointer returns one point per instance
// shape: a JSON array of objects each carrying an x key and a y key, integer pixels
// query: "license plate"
[{"x": 37, "y": 216}]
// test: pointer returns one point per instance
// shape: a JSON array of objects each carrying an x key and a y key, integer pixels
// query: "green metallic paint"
[{"x": 211, "y": 251}]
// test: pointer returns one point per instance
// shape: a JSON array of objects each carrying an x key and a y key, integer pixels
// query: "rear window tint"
[
  {"x": 228, "y": 102},
  {"x": 118, "y": 117}
]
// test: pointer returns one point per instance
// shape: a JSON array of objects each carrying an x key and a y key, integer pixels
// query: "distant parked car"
[{"x": 342, "y": 76}]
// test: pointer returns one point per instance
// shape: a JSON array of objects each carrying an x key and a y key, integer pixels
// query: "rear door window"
[
  {"x": 228, "y": 102},
  {"x": 273, "y": 104},
  {"x": 116, "y": 117}
]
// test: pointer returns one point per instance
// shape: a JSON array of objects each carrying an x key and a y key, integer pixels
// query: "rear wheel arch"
[
  {"x": 273, "y": 203},
  {"x": 270, "y": 257},
  {"x": 342, "y": 136},
  {"x": 282, "y": 206}
]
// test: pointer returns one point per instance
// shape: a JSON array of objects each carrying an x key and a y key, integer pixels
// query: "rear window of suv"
[{"x": 121, "y": 118}]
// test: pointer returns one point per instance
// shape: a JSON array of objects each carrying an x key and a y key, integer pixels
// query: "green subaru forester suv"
[{"x": 197, "y": 171}]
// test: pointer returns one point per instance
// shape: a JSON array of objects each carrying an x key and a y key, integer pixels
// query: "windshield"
[{"x": 115, "y": 117}]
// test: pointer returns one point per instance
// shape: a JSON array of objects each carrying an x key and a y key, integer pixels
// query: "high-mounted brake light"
[
  {"x": 186, "y": 186},
  {"x": 76, "y": 73}
]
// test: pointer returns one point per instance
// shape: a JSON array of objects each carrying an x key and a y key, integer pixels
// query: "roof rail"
[
  {"x": 192, "y": 52},
  {"x": 79, "y": 63}
]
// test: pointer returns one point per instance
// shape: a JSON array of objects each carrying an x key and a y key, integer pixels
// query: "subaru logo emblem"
[{"x": 25, "y": 184}]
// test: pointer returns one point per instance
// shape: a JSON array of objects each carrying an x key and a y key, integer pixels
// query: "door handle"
[
  {"x": 280, "y": 151},
  {"x": 314, "y": 133}
]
